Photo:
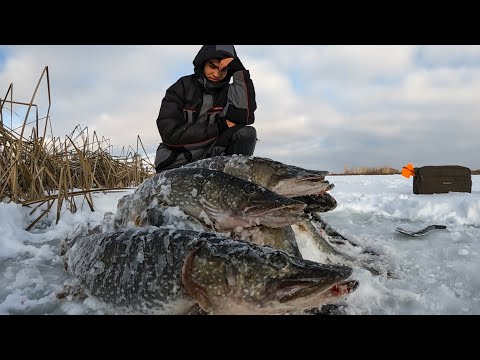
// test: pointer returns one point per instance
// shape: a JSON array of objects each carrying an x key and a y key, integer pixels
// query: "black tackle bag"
[{"x": 442, "y": 179}]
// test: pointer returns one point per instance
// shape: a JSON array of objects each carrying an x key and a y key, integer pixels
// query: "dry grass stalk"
[{"x": 45, "y": 169}]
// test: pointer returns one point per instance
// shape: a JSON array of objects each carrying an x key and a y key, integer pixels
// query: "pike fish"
[
  {"x": 219, "y": 200},
  {"x": 152, "y": 270},
  {"x": 307, "y": 186},
  {"x": 286, "y": 180}
]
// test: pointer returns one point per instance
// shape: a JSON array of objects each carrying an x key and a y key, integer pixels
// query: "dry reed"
[{"x": 41, "y": 170}]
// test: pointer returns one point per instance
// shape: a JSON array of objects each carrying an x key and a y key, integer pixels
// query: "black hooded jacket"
[{"x": 193, "y": 106}]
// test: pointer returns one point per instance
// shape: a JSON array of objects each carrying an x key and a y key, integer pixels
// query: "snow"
[{"x": 433, "y": 274}]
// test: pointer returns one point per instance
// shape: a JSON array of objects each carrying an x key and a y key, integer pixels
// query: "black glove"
[
  {"x": 224, "y": 140},
  {"x": 222, "y": 126},
  {"x": 235, "y": 65},
  {"x": 226, "y": 136}
]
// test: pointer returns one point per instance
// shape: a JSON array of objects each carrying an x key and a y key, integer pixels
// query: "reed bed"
[{"x": 39, "y": 170}]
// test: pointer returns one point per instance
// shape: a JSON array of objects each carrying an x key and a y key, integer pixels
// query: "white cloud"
[{"x": 451, "y": 55}]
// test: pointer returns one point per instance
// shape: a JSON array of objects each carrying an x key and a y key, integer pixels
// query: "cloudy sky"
[{"x": 323, "y": 107}]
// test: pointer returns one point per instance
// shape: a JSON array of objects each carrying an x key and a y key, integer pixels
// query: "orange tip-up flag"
[{"x": 408, "y": 171}]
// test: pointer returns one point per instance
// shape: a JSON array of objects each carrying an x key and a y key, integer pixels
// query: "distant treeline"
[{"x": 384, "y": 170}]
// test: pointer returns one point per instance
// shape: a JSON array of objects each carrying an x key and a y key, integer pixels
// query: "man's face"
[{"x": 212, "y": 71}]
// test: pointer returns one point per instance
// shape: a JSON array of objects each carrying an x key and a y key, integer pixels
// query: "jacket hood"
[{"x": 213, "y": 52}]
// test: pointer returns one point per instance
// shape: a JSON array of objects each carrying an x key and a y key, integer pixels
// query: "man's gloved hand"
[
  {"x": 224, "y": 139},
  {"x": 222, "y": 126},
  {"x": 226, "y": 136},
  {"x": 233, "y": 64}
]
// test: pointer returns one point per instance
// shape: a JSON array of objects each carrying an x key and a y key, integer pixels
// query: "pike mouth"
[
  {"x": 318, "y": 203},
  {"x": 301, "y": 186},
  {"x": 290, "y": 290},
  {"x": 311, "y": 178}
]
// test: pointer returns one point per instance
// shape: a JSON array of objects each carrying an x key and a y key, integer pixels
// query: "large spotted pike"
[
  {"x": 307, "y": 186},
  {"x": 218, "y": 199},
  {"x": 286, "y": 180},
  {"x": 155, "y": 270}
]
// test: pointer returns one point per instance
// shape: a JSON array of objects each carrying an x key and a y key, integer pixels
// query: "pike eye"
[
  {"x": 278, "y": 260},
  {"x": 276, "y": 166},
  {"x": 249, "y": 188}
]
